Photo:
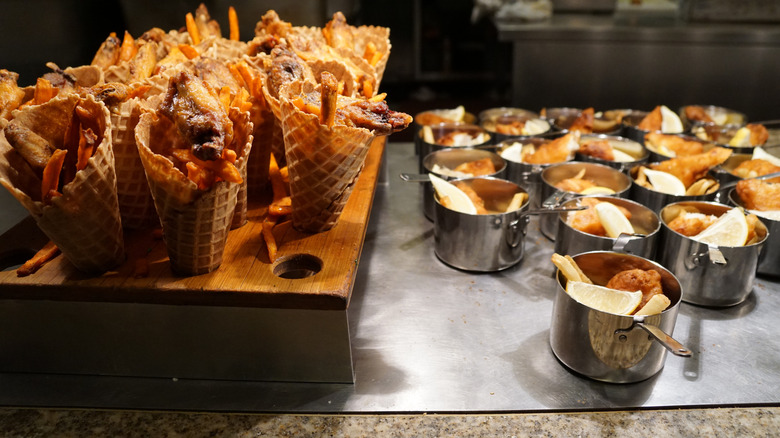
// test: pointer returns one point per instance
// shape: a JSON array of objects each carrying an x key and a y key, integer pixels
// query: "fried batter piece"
[
  {"x": 481, "y": 167},
  {"x": 598, "y": 149},
  {"x": 584, "y": 122},
  {"x": 691, "y": 223},
  {"x": 697, "y": 113},
  {"x": 693, "y": 167},
  {"x": 198, "y": 116},
  {"x": 680, "y": 146},
  {"x": 649, "y": 282},
  {"x": 758, "y": 134},
  {"x": 754, "y": 168},
  {"x": 587, "y": 220},
  {"x": 555, "y": 151},
  {"x": 653, "y": 121},
  {"x": 478, "y": 202},
  {"x": 759, "y": 195},
  {"x": 11, "y": 96}
]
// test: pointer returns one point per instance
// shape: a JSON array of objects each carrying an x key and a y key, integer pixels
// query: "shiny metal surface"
[
  {"x": 429, "y": 338},
  {"x": 769, "y": 263}
]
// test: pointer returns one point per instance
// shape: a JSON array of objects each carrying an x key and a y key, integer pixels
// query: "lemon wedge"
[
  {"x": 665, "y": 182},
  {"x": 655, "y": 305},
  {"x": 535, "y": 127},
  {"x": 760, "y": 154},
  {"x": 773, "y": 215},
  {"x": 670, "y": 121},
  {"x": 741, "y": 138},
  {"x": 731, "y": 229},
  {"x": 513, "y": 153},
  {"x": 597, "y": 190},
  {"x": 622, "y": 157},
  {"x": 456, "y": 114},
  {"x": 603, "y": 298},
  {"x": 459, "y": 201},
  {"x": 613, "y": 220}
]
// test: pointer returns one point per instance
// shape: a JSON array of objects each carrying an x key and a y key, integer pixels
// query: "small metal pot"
[
  {"x": 489, "y": 118},
  {"x": 442, "y": 129},
  {"x": 628, "y": 146},
  {"x": 722, "y": 135},
  {"x": 609, "y": 347},
  {"x": 769, "y": 262},
  {"x": 655, "y": 200},
  {"x": 709, "y": 274},
  {"x": 450, "y": 158},
  {"x": 631, "y": 129},
  {"x": 435, "y": 117},
  {"x": 646, "y": 225},
  {"x": 724, "y": 173},
  {"x": 527, "y": 175},
  {"x": 656, "y": 155},
  {"x": 562, "y": 119},
  {"x": 485, "y": 242},
  {"x": 552, "y": 197}
]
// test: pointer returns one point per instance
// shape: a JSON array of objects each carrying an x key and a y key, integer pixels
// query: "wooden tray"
[{"x": 246, "y": 277}]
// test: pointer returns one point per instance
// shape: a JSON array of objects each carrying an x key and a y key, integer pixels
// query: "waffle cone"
[
  {"x": 277, "y": 135},
  {"x": 323, "y": 165},
  {"x": 84, "y": 222},
  {"x": 380, "y": 36},
  {"x": 264, "y": 123},
  {"x": 195, "y": 223}
]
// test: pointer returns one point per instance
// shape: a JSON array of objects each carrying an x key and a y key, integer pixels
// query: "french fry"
[
  {"x": 268, "y": 236},
  {"x": 368, "y": 89},
  {"x": 128, "y": 49},
  {"x": 281, "y": 207},
  {"x": 51, "y": 173},
  {"x": 569, "y": 268},
  {"x": 229, "y": 155},
  {"x": 700, "y": 187},
  {"x": 87, "y": 142},
  {"x": 224, "y": 97},
  {"x": 188, "y": 51},
  {"x": 277, "y": 183},
  {"x": 44, "y": 91},
  {"x": 48, "y": 252},
  {"x": 370, "y": 50},
  {"x": 233, "y": 19},
  {"x": 203, "y": 178},
  {"x": 285, "y": 172},
  {"x": 192, "y": 28},
  {"x": 328, "y": 99},
  {"x": 223, "y": 169},
  {"x": 378, "y": 98}
]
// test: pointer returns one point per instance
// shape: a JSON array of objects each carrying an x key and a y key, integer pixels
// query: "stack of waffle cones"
[
  {"x": 323, "y": 164},
  {"x": 84, "y": 222},
  {"x": 195, "y": 222}
]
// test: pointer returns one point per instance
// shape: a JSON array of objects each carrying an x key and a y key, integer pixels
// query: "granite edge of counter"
[{"x": 728, "y": 421}]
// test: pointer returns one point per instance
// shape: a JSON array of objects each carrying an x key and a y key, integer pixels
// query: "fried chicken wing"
[
  {"x": 108, "y": 53},
  {"x": 598, "y": 149},
  {"x": 337, "y": 32},
  {"x": 142, "y": 65},
  {"x": 649, "y": 282},
  {"x": 676, "y": 144},
  {"x": 374, "y": 116},
  {"x": 759, "y": 195},
  {"x": 31, "y": 146},
  {"x": 754, "y": 168},
  {"x": 198, "y": 115},
  {"x": 693, "y": 167},
  {"x": 286, "y": 67},
  {"x": 11, "y": 96}
]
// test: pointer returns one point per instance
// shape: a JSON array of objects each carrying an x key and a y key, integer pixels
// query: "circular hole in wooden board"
[{"x": 297, "y": 266}]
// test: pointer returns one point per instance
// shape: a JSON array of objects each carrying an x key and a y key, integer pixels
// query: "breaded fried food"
[
  {"x": 758, "y": 134},
  {"x": 691, "y": 223},
  {"x": 11, "y": 96},
  {"x": 696, "y": 113},
  {"x": 555, "y": 151},
  {"x": 652, "y": 121},
  {"x": 680, "y": 146},
  {"x": 759, "y": 195},
  {"x": 598, "y": 149},
  {"x": 481, "y": 167},
  {"x": 649, "y": 282},
  {"x": 575, "y": 185},
  {"x": 478, "y": 202},
  {"x": 584, "y": 122},
  {"x": 694, "y": 167},
  {"x": 754, "y": 168},
  {"x": 588, "y": 220},
  {"x": 35, "y": 150},
  {"x": 198, "y": 115}
]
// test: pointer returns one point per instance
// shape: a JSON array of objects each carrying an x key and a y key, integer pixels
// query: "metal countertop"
[{"x": 429, "y": 338}]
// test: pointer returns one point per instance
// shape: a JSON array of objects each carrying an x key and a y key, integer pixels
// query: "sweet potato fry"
[
  {"x": 224, "y": 97},
  {"x": 329, "y": 89},
  {"x": 192, "y": 28},
  {"x": 128, "y": 49},
  {"x": 48, "y": 252},
  {"x": 221, "y": 168},
  {"x": 233, "y": 19},
  {"x": 281, "y": 207},
  {"x": 87, "y": 142},
  {"x": 188, "y": 51},
  {"x": 268, "y": 236},
  {"x": 44, "y": 91},
  {"x": 51, "y": 173},
  {"x": 229, "y": 155},
  {"x": 202, "y": 177},
  {"x": 277, "y": 184},
  {"x": 370, "y": 50},
  {"x": 368, "y": 89}
]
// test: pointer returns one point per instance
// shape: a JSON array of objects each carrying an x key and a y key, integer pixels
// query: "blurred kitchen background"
[{"x": 478, "y": 53}]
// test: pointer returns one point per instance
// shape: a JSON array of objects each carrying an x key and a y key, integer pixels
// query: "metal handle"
[
  {"x": 553, "y": 210},
  {"x": 556, "y": 199},
  {"x": 667, "y": 341},
  {"x": 415, "y": 177},
  {"x": 624, "y": 242}
]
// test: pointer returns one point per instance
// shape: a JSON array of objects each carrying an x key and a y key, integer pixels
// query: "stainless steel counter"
[{"x": 428, "y": 338}]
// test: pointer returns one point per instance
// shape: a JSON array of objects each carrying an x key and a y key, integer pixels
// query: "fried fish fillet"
[{"x": 691, "y": 168}]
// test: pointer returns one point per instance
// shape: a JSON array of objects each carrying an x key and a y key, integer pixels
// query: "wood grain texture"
[{"x": 245, "y": 278}]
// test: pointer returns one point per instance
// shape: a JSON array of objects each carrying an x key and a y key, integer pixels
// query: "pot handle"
[
  {"x": 667, "y": 341},
  {"x": 624, "y": 242},
  {"x": 415, "y": 177},
  {"x": 556, "y": 199}
]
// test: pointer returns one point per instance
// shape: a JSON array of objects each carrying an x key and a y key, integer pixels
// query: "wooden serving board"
[{"x": 245, "y": 278}]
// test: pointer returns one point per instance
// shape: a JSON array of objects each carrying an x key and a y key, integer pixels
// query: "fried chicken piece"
[
  {"x": 754, "y": 168},
  {"x": 649, "y": 282},
  {"x": 554, "y": 151},
  {"x": 271, "y": 24},
  {"x": 584, "y": 122},
  {"x": 481, "y": 167},
  {"x": 143, "y": 63},
  {"x": 693, "y": 167},
  {"x": 11, "y": 96},
  {"x": 108, "y": 53},
  {"x": 478, "y": 202},
  {"x": 588, "y": 220},
  {"x": 697, "y": 113},
  {"x": 31, "y": 146},
  {"x": 374, "y": 116},
  {"x": 286, "y": 67},
  {"x": 759, "y": 195},
  {"x": 690, "y": 223},
  {"x": 198, "y": 115},
  {"x": 680, "y": 146},
  {"x": 216, "y": 74},
  {"x": 59, "y": 79},
  {"x": 598, "y": 149},
  {"x": 206, "y": 26},
  {"x": 338, "y": 33},
  {"x": 652, "y": 121}
]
